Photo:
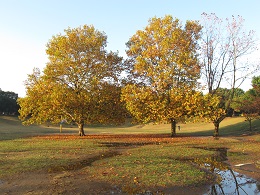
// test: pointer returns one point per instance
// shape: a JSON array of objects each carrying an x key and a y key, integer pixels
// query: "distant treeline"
[{"x": 8, "y": 103}]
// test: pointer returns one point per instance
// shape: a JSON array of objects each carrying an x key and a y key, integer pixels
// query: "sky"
[{"x": 26, "y": 26}]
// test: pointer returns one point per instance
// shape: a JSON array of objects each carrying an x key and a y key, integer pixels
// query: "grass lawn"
[
  {"x": 148, "y": 156},
  {"x": 11, "y": 128}
]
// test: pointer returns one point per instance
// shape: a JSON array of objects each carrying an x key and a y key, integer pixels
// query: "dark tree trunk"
[
  {"x": 216, "y": 130},
  {"x": 81, "y": 129},
  {"x": 216, "y": 125},
  {"x": 250, "y": 124},
  {"x": 173, "y": 127}
]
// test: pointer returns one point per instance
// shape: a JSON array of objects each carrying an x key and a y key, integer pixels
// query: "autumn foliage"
[
  {"x": 79, "y": 83},
  {"x": 83, "y": 83},
  {"x": 165, "y": 68}
]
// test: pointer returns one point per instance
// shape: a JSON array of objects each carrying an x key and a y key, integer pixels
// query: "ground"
[
  {"x": 19, "y": 143},
  {"x": 78, "y": 181}
]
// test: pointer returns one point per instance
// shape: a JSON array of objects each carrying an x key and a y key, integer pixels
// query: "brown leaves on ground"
[{"x": 128, "y": 138}]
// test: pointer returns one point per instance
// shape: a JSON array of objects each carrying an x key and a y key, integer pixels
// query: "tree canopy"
[
  {"x": 165, "y": 68},
  {"x": 79, "y": 83}
]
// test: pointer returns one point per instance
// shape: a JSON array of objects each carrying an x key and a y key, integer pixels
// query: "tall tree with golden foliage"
[
  {"x": 79, "y": 83},
  {"x": 163, "y": 62}
]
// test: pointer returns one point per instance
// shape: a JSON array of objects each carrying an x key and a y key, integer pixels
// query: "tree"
[
  {"x": 164, "y": 64},
  {"x": 255, "y": 91},
  {"x": 250, "y": 102},
  {"x": 224, "y": 95},
  {"x": 211, "y": 109},
  {"x": 79, "y": 84},
  {"x": 224, "y": 47},
  {"x": 8, "y": 104},
  {"x": 238, "y": 94}
]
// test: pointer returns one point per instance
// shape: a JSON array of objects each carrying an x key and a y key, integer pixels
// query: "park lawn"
[
  {"x": 11, "y": 128},
  {"x": 148, "y": 160}
]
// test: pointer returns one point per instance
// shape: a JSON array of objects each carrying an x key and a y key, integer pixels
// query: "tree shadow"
[{"x": 238, "y": 129}]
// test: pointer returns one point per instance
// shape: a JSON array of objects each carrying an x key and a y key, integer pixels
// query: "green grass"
[{"x": 11, "y": 128}]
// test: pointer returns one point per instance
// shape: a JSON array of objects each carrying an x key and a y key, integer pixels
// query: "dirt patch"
[{"x": 66, "y": 182}]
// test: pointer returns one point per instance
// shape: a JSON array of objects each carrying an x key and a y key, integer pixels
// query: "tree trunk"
[
  {"x": 216, "y": 130},
  {"x": 250, "y": 124},
  {"x": 173, "y": 127},
  {"x": 81, "y": 129},
  {"x": 216, "y": 125}
]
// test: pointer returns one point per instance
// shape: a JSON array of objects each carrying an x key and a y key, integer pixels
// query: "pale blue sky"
[{"x": 27, "y": 25}]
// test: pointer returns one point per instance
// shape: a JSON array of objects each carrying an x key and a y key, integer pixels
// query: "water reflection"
[{"x": 227, "y": 180}]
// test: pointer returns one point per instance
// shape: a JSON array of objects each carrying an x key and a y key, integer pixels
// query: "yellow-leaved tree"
[
  {"x": 164, "y": 66},
  {"x": 79, "y": 83}
]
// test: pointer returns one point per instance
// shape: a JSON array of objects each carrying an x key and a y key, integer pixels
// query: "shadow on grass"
[{"x": 238, "y": 129}]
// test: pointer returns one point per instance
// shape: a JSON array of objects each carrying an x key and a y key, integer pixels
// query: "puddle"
[
  {"x": 227, "y": 180},
  {"x": 234, "y": 183}
]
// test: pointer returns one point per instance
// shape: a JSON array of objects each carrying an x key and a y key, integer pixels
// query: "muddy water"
[{"x": 227, "y": 180}]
